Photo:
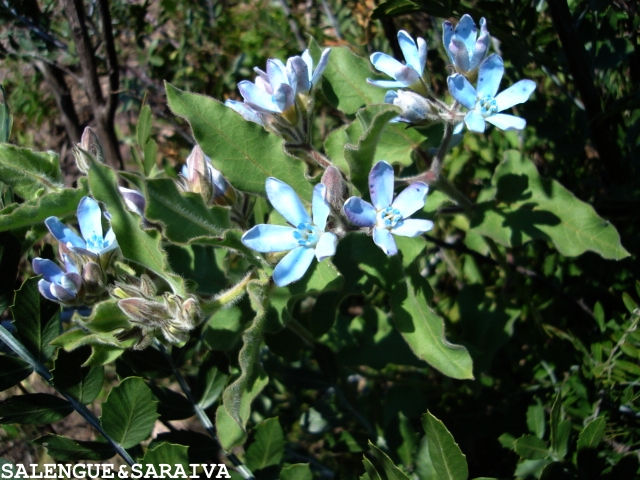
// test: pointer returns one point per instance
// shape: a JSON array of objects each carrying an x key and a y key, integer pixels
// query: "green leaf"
[
  {"x": 391, "y": 471},
  {"x": 143, "y": 130},
  {"x": 297, "y": 471},
  {"x": 345, "y": 80},
  {"x": 82, "y": 383},
  {"x": 106, "y": 317},
  {"x": 423, "y": 329},
  {"x": 150, "y": 153},
  {"x": 243, "y": 151},
  {"x": 139, "y": 246},
  {"x": 29, "y": 173},
  {"x": 531, "y": 447},
  {"x": 167, "y": 454},
  {"x": 129, "y": 413},
  {"x": 592, "y": 434},
  {"x": 372, "y": 473},
  {"x": 448, "y": 461},
  {"x": 211, "y": 382},
  {"x": 392, "y": 8},
  {"x": 184, "y": 217},
  {"x": 34, "y": 409},
  {"x": 58, "y": 203},
  {"x": 6, "y": 120},
  {"x": 232, "y": 416},
  {"x": 12, "y": 371},
  {"x": 535, "y": 419},
  {"x": 267, "y": 447},
  {"x": 523, "y": 205},
  {"x": 36, "y": 320},
  {"x": 65, "y": 449},
  {"x": 360, "y": 155}
]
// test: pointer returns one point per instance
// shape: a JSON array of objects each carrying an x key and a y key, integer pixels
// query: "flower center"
[
  {"x": 307, "y": 235},
  {"x": 389, "y": 218},
  {"x": 95, "y": 243},
  {"x": 487, "y": 106}
]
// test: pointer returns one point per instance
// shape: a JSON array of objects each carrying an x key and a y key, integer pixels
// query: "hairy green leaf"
[
  {"x": 267, "y": 447},
  {"x": 29, "y": 173}
]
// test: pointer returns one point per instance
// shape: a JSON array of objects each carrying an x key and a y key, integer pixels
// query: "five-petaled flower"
[
  {"x": 483, "y": 103},
  {"x": 92, "y": 243},
  {"x": 58, "y": 285},
  {"x": 465, "y": 48},
  {"x": 388, "y": 216},
  {"x": 409, "y": 75},
  {"x": 306, "y": 238}
]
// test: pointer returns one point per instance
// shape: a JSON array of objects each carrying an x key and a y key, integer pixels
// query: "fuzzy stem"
[
  {"x": 201, "y": 414},
  {"x": 41, "y": 370}
]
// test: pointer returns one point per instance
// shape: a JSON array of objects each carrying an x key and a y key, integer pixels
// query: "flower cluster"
[
  {"x": 307, "y": 237},
  {"x": 280, "y": 98},
  {"x": 85, "y": 258},
  {"x": 468, "y": 52}
]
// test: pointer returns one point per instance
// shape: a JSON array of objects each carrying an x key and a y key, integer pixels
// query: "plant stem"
[
  {"x": 41, "y": 370},
  {"x": 201, "y": 414}
]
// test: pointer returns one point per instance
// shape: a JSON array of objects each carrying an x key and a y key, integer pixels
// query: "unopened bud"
[
  {"x": 336, "y": 188},
  {"x": 201, "y": 177},
  {"x": 415, "y": 108},
  {"x": 89, "y": 145}
]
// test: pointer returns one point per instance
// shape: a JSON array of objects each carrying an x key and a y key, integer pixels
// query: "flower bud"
[
  {"x": 336, "y": 188},
  {"x": 199, "y": 176},
  {"x": 415, "y": 108},
  {"x": 89, "y": 145}
]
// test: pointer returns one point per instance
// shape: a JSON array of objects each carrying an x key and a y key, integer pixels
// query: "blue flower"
[
  {"x": 465, "y": 48},
  {"x": 409, "y": 75},
  {"x": 92, "y": 243},
  {"x": 306, "y": 237},
  {"x": 388, "y": 216},
  {"x": 276, "y": 89},
  {"x": 58, "y": 285},
  {"x": 483, "y": 103}
]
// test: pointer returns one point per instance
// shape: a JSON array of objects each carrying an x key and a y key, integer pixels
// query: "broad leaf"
[
  {"x": 297, "y": 471},
  {"x": 34, "y": 409},
  {"x": 243, "y": 151},
  {"x": 531, "y": 447},
  {"x": 267, "y": 447},
  {"x": 184, "y": 217},
  {"x": 592, "y": 433},
  {"x": 523, "y": 205},
  {"x": 65, "y": 449},
  {"x": 129, "y": 413},
  {"x": 448, "y": 461},
  {"x": 12, "y": 371},
  {"x": 167, "y": 454},
  {"x": 29, "y": 173},
  {"x": 392, "y": 472},
  {"x": 82, "y": 383}
]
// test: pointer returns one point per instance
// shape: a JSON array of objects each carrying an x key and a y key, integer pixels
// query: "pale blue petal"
[
  {"x": 408, "y": 76},
  {"x": 507, "y": 122},
  {"x": 422, "y": 54},
  {"x": 320, "y": 208},
  {"x": 285, "y": 200},
  {"x": 277, "y": 72},
  {"x": 387, "y": 64},
  {"x": 300, "y": 73},
  {"x": 410, "y": 51},
  {"x": 270, "y": 238},
  {"x": 69, "y": 266},
  {"x": 460, "y": 54},
  {"x": 467, "y": 32},
  {"x": 359, "y": 212},
  {"x": 517, "y": 93},
  {"x": 489, "y": 76},
  {"x": 63, "y": 234},
  {"x": 49, "y": 270},
  {"x": 412, "y": 227},
  {"x": 245, "y": 110},
  {"x": 411, "y": 199},
  {"x": 482, "y": 46},
  {"x": 326, "y": 246},
  {"x": 293, "y": 266},
  {"x": 474, "y": 121},
  {"x": 110, "y": 242},
  {"x": 61, "y": 293},
  {"x": 462, "y": 91},
  {"x": 90, "y": 218},
  {"x": 447, "y": 35},
  {"x": 257, "y": 97},
  {"x": 71, "y": 283},
  {"x": 457, "y": 130},
  {"x": 383, "y": 238},
  {"x": 45, "y": 290},
  {"x": 284, "y": 96},
  {"x": 381, "y": 185},
  {"x": 134, "y": 200},
  {"x": 322, "y": 64},
  {"x": 385, "y": 83}
]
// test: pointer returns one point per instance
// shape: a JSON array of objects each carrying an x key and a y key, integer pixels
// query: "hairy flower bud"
[
  {"x": 336, "y": 188},
  {"x": 199, "y": 176},
  {"x": 89, "y": 145}
]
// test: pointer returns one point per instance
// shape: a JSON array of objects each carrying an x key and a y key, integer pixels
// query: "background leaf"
[
  {"x": 34, "y": 408},
  {"x": 448, "y": 461},
  {"x": 267, "y": 447},
  {"x": 28, "y": 172}
]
